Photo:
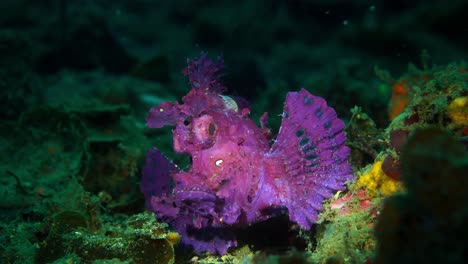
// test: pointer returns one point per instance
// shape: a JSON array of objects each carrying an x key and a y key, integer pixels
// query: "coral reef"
[
  {"x": 57, "y": 198},
  {"x": 435, "y": 97},
  {"x": 236, "y": 179},
  {"x": 410, "y": 184},
  {"x": 77, "y": 79}
]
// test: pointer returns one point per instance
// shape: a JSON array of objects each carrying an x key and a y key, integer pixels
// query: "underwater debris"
[{"x": 236, "y": 178}]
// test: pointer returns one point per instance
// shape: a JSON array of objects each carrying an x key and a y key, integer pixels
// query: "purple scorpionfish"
[{"x": 237, "y": 178}]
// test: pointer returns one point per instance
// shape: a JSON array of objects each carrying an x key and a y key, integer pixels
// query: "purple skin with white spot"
[{"x": 236, "y": 178}]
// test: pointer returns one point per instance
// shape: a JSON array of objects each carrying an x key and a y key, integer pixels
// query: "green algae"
[{"x": 142, "y": 240}]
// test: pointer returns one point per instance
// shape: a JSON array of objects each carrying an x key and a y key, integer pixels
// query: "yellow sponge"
[
  {"x": 376, "y": 182},
  {"x": 458, "y": 111}
]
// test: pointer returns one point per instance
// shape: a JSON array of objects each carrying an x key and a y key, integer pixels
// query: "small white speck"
[{"x": 219, "y": 162}]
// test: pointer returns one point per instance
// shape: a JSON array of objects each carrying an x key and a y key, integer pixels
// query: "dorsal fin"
[{"x": 311, "y": 145}]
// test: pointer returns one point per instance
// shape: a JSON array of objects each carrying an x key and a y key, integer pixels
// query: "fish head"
[{"x": 195, "y": 134}]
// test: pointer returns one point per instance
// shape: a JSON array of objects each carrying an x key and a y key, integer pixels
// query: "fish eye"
[{"x": 211, "y": 129}]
